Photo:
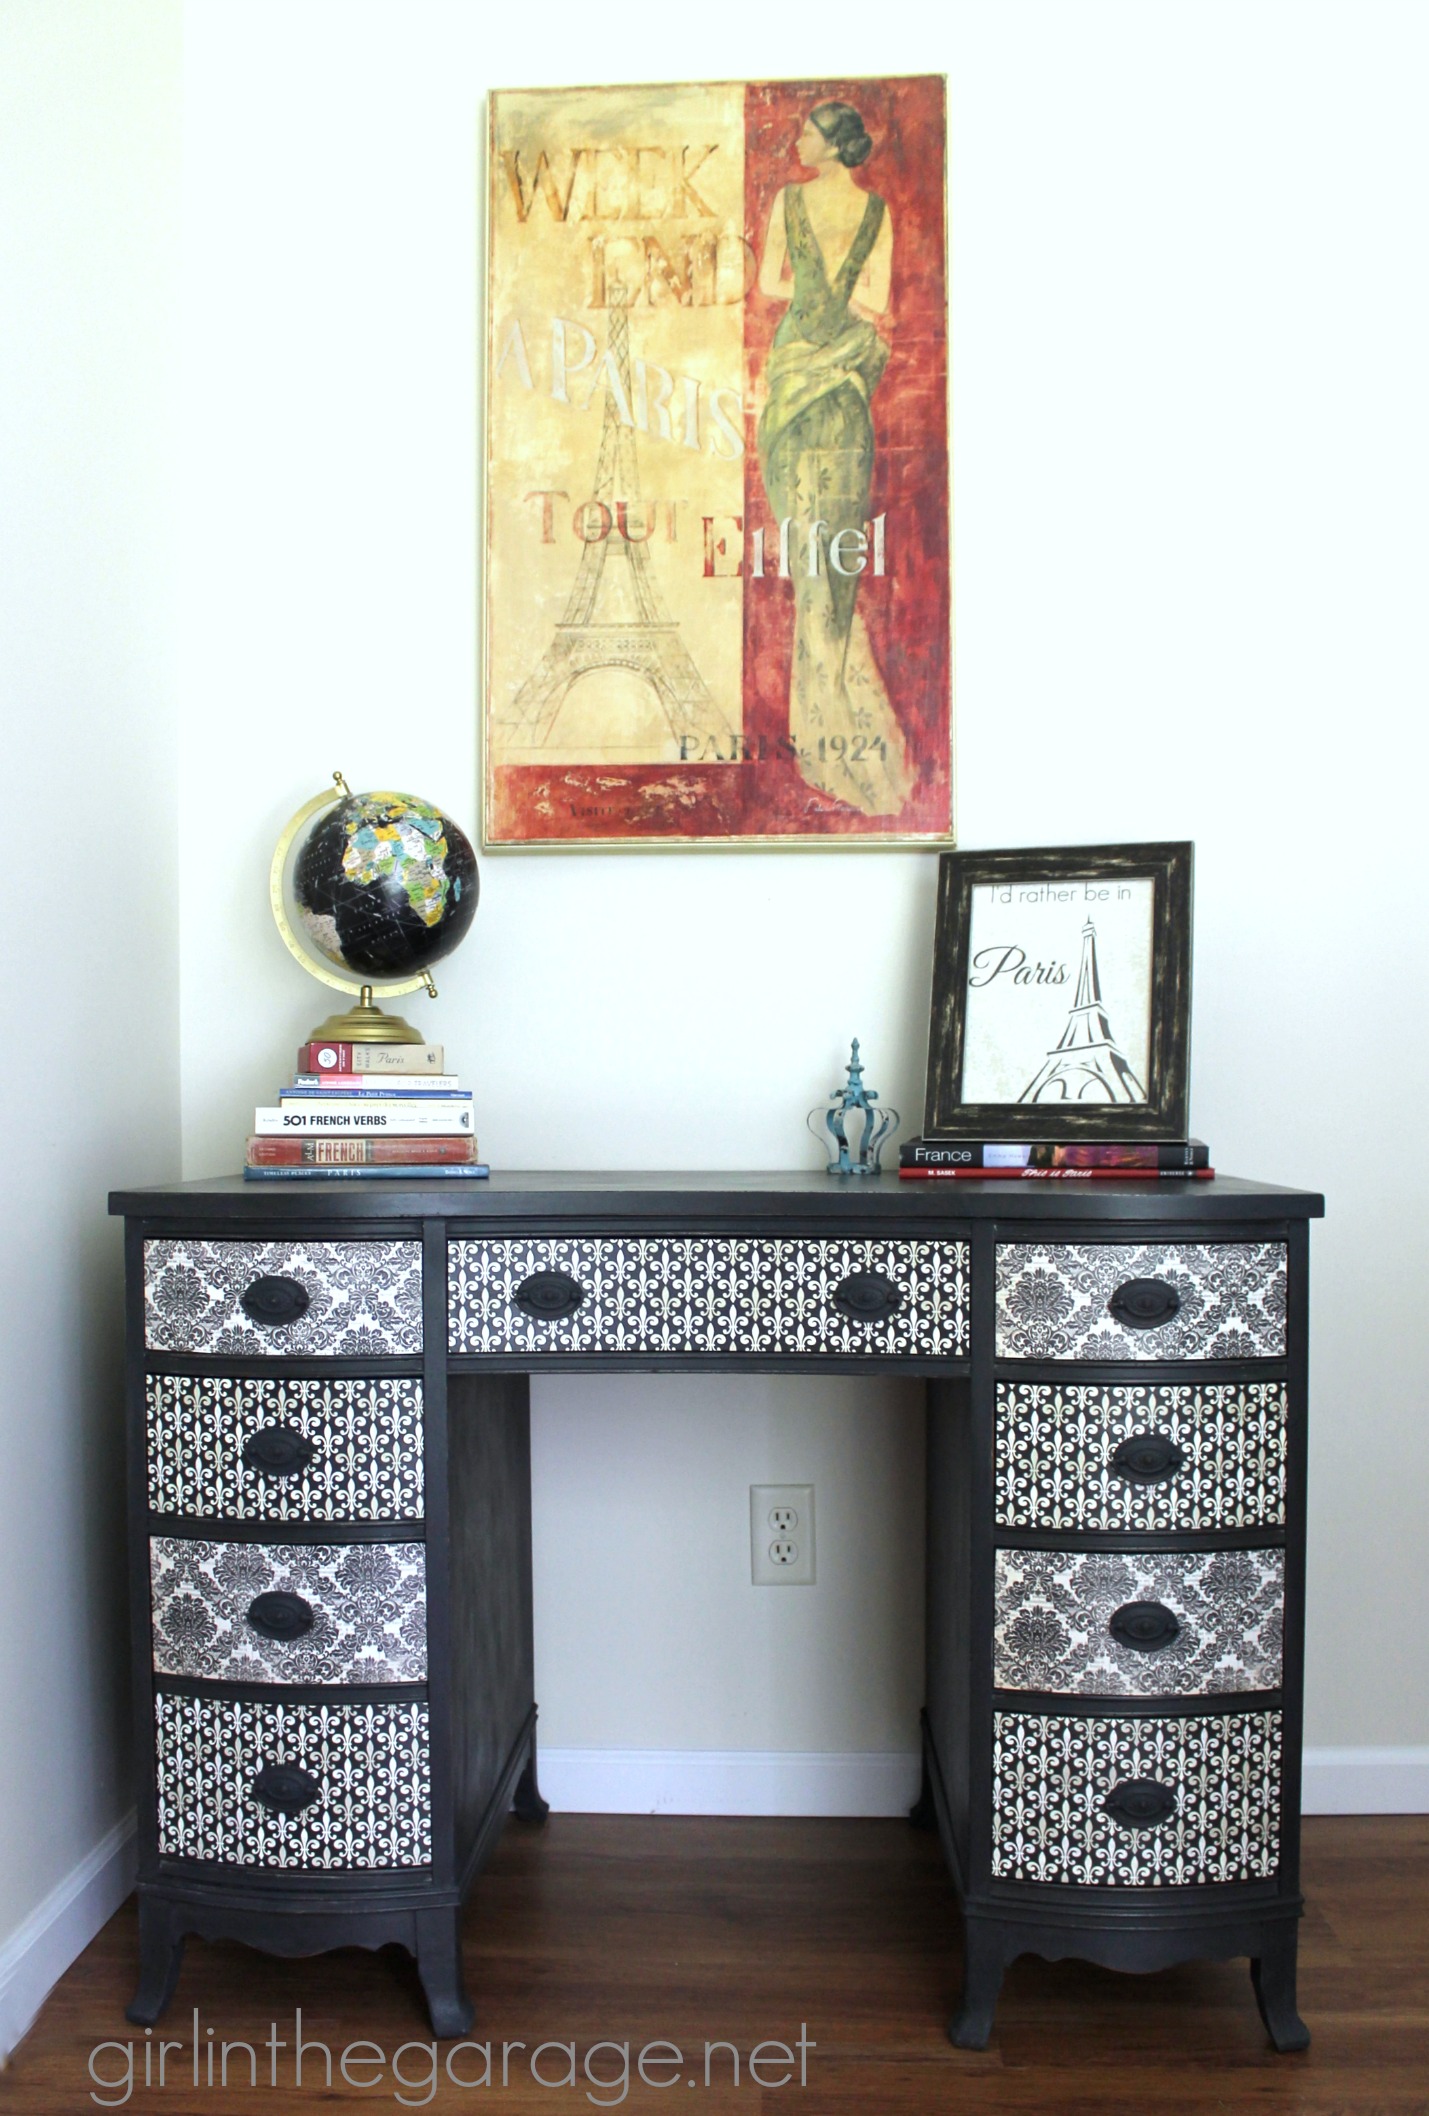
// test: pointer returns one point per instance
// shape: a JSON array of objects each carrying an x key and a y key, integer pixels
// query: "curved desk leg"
[
  {"x": 439, "y": 1967},
  {"x": 526, "y": 1801},
  {"x": 1272, "y": 1977},
  {"x": 923, "y": 1814},
  {"x": 983, "y": 1964},
  {"x": 161, "y": 1953}
]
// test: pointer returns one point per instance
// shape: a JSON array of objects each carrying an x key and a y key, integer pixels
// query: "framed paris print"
[
  {"x": 1062, "y": 994},
  {"x": 718, "y": 594}
]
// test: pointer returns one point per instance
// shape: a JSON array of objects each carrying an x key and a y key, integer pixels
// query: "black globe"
[{"x": 383, "y": 885}]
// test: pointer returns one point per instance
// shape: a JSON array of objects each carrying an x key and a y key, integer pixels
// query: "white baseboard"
[
  {"x": 35, "y": 1957},
  {"x": 755, "y": 1782},
  {"x": 1366, "y": 1782},
  {"x": 727, "y": 1782}
]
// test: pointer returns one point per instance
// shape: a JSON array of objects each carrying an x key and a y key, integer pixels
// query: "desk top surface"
[{"x": 670, "y": 1195}]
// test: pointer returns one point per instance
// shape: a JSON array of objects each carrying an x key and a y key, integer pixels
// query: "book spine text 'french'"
[
  {"x": 357, "y": 1153},
  {"x": 415, "y": 1115}
]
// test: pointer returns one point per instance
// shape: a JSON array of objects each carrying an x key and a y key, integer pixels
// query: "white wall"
[
  {"x": 89, "y": 159},
  {"x": 1189, "y": 344}
]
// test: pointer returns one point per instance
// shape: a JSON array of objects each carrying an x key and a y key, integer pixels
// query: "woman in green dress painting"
[{"x": 829, "y": 254}]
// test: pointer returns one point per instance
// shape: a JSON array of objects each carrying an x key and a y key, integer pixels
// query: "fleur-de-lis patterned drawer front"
[
  {"x": 709, "y": 1293},
  {"x": 293, "y": 1785},
  {"x": 1156, "y": 1624},
  {"x": 1140, "y": 1455},
  {"x": 1155, "y": 1300},
  {"x": 270, "y": 1448},
  {"x": 345, "y": 1299},
  {"x": 1136, "y": 1803},
  {"x": 289, "y": 1612}
]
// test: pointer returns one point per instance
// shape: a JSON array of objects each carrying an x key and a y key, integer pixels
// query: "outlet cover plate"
[{"x": 781, "y": 1535}]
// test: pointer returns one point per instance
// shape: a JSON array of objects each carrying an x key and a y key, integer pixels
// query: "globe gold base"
[{"x": 365, "y": 1023}]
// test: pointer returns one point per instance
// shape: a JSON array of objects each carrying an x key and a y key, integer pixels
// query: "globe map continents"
[{"x": 382, "y": 885}]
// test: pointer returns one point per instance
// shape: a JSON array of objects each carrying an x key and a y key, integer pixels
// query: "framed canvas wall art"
[{"x": 718, "y": 605}]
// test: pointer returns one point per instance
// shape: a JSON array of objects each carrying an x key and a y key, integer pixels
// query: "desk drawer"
[
  {"x": 354, "y": 1790},
  {"x": 271, "y": 1448},
  {"x": 348, "y": 1613},
  {"x": 1139, "y": 1456},
  {"x": 1155, "y": 1624},
  {"x": 709, "y": 1293},
  {"x": 1136, "y": 1803},
  {"x": 264, "y": 1299},
  {"x": 1159, "y": 1300}
]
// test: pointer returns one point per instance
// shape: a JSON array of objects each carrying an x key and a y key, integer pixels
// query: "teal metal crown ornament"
[{"x": 851, "y": 1101}]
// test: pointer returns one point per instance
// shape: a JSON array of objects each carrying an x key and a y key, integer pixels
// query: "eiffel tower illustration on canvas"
[
  {"x": 615, "y": 617},
  {"x": 1087, "y": 1065}
]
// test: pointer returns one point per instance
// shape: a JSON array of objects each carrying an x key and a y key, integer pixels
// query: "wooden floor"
[{"x": 629, "y": 1928}]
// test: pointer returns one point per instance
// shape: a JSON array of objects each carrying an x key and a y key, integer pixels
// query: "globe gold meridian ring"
[{"x": 364, "y": 1023}]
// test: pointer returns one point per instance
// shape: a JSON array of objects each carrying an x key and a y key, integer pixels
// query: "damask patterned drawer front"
[
  {"x": 1136, "y": 1803},
  {"x": 293, "y": 1785},
  {"x": 1159, "y": 1624},
  {"x": 1156, "y": 1300},
  {"x": 346, "y": 1299},
  {"x": 1140, "y": 1456},
  {"x": 709, "y": 1293},
  {"x": 269, "y": 1448},
  {"x": 289, "y": 1612}
]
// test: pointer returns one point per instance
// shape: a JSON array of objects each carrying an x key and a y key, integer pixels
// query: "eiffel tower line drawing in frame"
[
  {"x": 1088, "y": 1061},
  {"x": 717, "y": 573}
]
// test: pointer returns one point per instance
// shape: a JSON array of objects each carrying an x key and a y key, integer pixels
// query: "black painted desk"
[{"x": 331, "y": 1556}]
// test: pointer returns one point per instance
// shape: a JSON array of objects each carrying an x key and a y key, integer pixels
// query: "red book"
[
  {"x": 1055, "y": 1175},
  {"x": 337, "y": 1151},
  {"x": 380, "y": 1083},
  {"x": 388, "y": 1058}
]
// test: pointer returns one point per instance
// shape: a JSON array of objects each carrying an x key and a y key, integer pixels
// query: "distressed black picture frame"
[{"x": 1164, "y": 1114}]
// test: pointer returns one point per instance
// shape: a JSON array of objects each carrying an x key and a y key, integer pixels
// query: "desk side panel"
[
  {"x": 949, "y": 1636},
  {"x": 490, "y": 1611}
]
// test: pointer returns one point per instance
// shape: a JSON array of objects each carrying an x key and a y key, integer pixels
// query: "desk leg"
[
  {"x": 1272, "y": 1978},
  {"x": 161, "y": 1952},
  {"x": 983, "y": 1965},
  {"x": 526, "y": 1801},
  {"x": 439, "y": 1967},
  {"x": 923, "y": 1814}
]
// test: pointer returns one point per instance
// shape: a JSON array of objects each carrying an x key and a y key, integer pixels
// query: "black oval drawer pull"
[
  {"x": 547, "y": 1294},
  {"x": 278, "y": 1450},
  {"x": 1144, "y": 1303},
  {"x": 1147, "y": 1458},
  {"x": 867, "y": 1296},
  {"x": 1140, "y": 1803},
  {"x": 1146, "y": 1627},
  {"x": 281, "y": 1616},
  {"x": 286, "y": 1789},
  {"x": 271, "y": 1301}
]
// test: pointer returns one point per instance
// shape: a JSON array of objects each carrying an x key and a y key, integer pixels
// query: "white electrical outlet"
[{"x": 781, "y": 1535}]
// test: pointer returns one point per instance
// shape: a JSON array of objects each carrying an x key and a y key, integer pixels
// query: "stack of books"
[
  {"x": 366, "y": 1109},
  {"x": 1046, "y": 1160}
]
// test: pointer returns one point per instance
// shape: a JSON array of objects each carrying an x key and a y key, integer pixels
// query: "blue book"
[
  {"x": 375, "y": 1094},
  {"x": 428, "y": 1171}
]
